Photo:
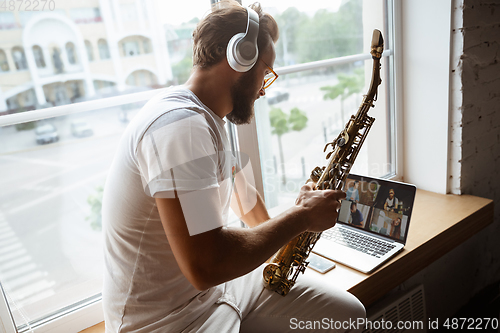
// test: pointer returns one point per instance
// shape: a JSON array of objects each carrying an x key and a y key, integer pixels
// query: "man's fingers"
[{"x": 307, "y": 187}]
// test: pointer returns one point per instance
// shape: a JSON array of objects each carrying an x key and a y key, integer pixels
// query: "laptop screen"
[{"x": 378, "y": 206}]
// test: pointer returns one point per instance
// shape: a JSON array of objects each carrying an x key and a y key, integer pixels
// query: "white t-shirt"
[
  {"x": 174, "y": 147},
  {"x": 392, "y": 203}
]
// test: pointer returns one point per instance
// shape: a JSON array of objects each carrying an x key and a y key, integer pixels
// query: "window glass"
[
  {"x": 19, "y": 58},
  {"x": 316, "y": 30},
  {"x": 103, "y": 49},
  {"x": 70, "y": 51},
  {"x": 304, "y": 110},
  {"x": 54, "y": 169},
  {"x": 50, "y": 253},
  {"x": 4, "y": 64},
  {"x": 131, "y": 48},
  {"x": 38, "y": 54}
]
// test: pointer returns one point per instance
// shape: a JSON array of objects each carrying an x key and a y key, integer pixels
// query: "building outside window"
[
  {"x": 38, "y": 54},
  {"x": 146, "y": 45},
  {"x": 103, "y": 49},
  {"x": 57, "y": 61},
  {"x": 129, "y": 12},
  {"x": 7, "y": 21},
  {"x": 131, "y": 48},
  {"x": 70, "y": 51},
  {"x": 19, "y": 58},
  {"x": 90, "y": 52},
  {"x": 85, "y": 15},
  {"x": 4, "y": 65}
]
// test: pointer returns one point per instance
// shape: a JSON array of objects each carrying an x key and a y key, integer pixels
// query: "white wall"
[{"x": 425, "y": 38}]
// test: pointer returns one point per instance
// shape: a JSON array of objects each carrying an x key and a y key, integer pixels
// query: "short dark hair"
[
  {"x": 228, "y": 17},
  {"x": 353, "y": 204}
]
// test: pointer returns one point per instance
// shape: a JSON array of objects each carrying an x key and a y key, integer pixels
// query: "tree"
[
  {"x": 290, "y": 21},
  {"x": 282, "y": 124},
  {"x": 348, "y": 85},
  {"x": 182, "y": 69},
  {"x": 329, "y": 35}
]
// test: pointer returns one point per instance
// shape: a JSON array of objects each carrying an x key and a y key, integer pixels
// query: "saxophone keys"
[
  {"x": 343, "y": 139},
  {"x": 316, "y": 174},
  {"x": 326, "y": 146}
]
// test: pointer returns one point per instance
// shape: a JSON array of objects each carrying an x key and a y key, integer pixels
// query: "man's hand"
[{"x": 320, "y": 206}]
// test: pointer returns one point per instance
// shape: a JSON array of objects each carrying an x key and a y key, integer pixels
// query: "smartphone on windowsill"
[{"x": 320, "y": 264}]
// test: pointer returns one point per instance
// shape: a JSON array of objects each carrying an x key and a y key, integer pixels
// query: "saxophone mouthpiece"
[{"x": 377, "y": 44}]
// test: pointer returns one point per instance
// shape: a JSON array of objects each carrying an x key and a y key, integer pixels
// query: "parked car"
[
  {"x": 46, "y": 133},
  {"x": 81, "y": 129},
  {"x": 276, "y": 95}
]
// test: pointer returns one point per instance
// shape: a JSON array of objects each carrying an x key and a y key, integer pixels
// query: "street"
[{"x": 47, "y": 244}]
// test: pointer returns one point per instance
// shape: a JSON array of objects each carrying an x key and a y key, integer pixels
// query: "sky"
[{"x": 181, "y": 11}]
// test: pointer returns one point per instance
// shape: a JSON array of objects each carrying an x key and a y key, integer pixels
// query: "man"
[
  {"x": 171, "y": 265},
  {"x": 391, "y": 203},
  {"x": 356, "y": 216}
]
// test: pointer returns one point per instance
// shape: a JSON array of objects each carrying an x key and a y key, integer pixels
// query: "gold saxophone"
[{"x": 280, "y": 275}]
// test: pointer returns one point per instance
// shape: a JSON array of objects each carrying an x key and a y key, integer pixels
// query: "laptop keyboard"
[{"x": 358, "y": 241}]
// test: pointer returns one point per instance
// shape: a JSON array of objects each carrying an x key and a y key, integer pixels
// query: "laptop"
[{"x": 372, "y": 225}]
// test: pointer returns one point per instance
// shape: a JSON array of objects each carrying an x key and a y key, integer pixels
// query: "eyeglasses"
[{"x": 269, "y": 78}]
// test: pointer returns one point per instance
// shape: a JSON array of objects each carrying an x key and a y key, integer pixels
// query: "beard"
[{"x": 243, "y": 98}]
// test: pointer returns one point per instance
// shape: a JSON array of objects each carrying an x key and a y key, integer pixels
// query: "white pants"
[{"x": 312, "y": 305}]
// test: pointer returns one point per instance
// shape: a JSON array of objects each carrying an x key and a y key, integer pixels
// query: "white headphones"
[{"x": 242, "y": 51}]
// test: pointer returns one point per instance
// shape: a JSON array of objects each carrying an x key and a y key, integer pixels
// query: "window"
[
  {"x": 38, "y": 54},
  {"x": 70, "y": 50},
  {"x": 55, "y": 160},
  {"x": 4, "y": 65},
  {"x": 131, "y": 48},
  {"x": 103, "y": 49},
  {"x": 90, "y": 52},
  {"x": 141, "y": 78},
  {"x": 314, "y": 97},
  {"x": 50, "y": 249},
  {"x": 146, "y": 45},
  {"x": 19, "y": 58},
  {"x": 57, "y": 61}
]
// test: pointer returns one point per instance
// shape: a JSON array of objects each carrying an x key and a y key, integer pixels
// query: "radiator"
[{"x": 406, "y": 309}]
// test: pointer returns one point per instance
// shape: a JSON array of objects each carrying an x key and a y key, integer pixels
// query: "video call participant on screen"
[
  {"x": 356, "y": 216},
  {"x": 396, "y": 228},
  {"x": 391, "y": 203},
  {"x": 352, "y": 192}
]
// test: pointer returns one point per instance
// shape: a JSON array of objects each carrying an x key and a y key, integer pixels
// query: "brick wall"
[{"x": 480, "y": 174}]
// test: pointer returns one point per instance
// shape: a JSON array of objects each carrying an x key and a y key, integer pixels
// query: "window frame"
[
  {"x": 247, "y": 134},
  {"x": 90, "y": 313}
]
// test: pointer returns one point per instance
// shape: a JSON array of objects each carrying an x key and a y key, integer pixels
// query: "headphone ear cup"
[{"x": 241, "y": 53}]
